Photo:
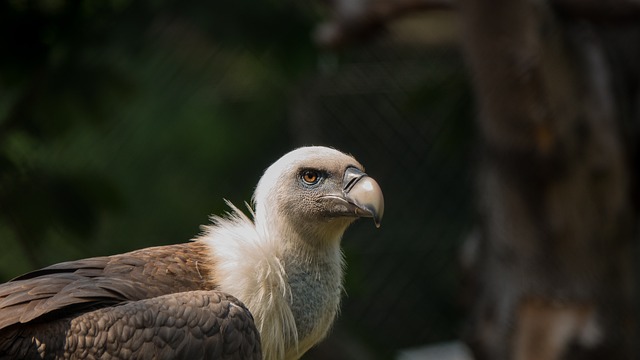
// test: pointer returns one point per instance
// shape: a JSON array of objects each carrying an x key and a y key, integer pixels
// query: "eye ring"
[{"x": 310, "y": 177}]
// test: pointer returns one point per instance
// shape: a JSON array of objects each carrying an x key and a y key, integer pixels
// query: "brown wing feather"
[
  {"x": 188, "y": 325},
  {"x": 76, "y": 286}
]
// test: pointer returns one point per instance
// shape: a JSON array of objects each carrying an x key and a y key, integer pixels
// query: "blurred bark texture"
[
  {"x": 554, "y": 188},
  {"x": 556, "y": 84}
]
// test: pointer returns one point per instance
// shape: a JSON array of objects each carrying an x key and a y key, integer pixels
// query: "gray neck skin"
[
  {"x": 312, "y": 260},
  {"x": 316, "y": 287}
]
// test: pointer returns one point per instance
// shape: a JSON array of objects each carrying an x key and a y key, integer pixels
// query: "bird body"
[{"x": 268, "y": 283}]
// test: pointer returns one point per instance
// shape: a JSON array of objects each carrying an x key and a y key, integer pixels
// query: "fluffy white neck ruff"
[{"x": 292, "y": 291}]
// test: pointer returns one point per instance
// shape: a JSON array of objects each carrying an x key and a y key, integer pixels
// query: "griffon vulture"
[{"x": 195, "y": 300}]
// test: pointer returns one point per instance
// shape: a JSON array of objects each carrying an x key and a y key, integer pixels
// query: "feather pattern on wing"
[
  {"x": 74, "y": 286},
  {"x": 171, "y": 326}
]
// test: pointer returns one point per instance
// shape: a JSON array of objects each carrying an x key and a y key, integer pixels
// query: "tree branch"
[{"x": 355, "y": 20}]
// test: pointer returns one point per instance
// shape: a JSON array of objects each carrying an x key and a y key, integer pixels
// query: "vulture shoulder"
[{"x": 71, "y": 287}]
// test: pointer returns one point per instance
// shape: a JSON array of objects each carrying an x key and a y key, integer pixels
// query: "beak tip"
[
  {"x": 376, "y": 213},
  {"x": 377, "y": 216}
]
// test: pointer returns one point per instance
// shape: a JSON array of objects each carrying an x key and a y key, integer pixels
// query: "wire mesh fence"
[{"x": 405, "y": 112}]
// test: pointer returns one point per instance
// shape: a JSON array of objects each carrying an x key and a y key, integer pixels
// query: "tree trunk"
[{"x": 555, "y": 275}]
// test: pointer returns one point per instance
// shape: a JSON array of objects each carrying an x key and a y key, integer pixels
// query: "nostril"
[
  {"x": 350, "y": 184},
  {"x": 351, "y": 177}
]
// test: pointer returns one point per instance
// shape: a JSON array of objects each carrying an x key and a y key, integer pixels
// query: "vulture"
[{"x": 261, "y": 285}]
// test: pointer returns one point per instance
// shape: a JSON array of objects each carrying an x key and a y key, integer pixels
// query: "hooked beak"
[{"x": 364, "y": 193}]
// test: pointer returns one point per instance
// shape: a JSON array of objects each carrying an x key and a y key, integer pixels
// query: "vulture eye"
[{"x": 310, "y": 177}]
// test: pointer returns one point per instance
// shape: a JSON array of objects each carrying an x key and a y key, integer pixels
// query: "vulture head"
[
  {"x": 313, "y": 194},
  {"x": 287, "y": 266}
]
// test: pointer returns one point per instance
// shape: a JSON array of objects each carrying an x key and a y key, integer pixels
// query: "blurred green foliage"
[{"x": 116, "y": 115}]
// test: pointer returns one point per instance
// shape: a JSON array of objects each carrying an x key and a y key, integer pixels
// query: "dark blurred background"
[{"x": 124, "y": 124}]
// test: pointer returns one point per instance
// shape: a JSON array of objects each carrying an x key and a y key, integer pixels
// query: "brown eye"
[{"x": 310, "y": 177}]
